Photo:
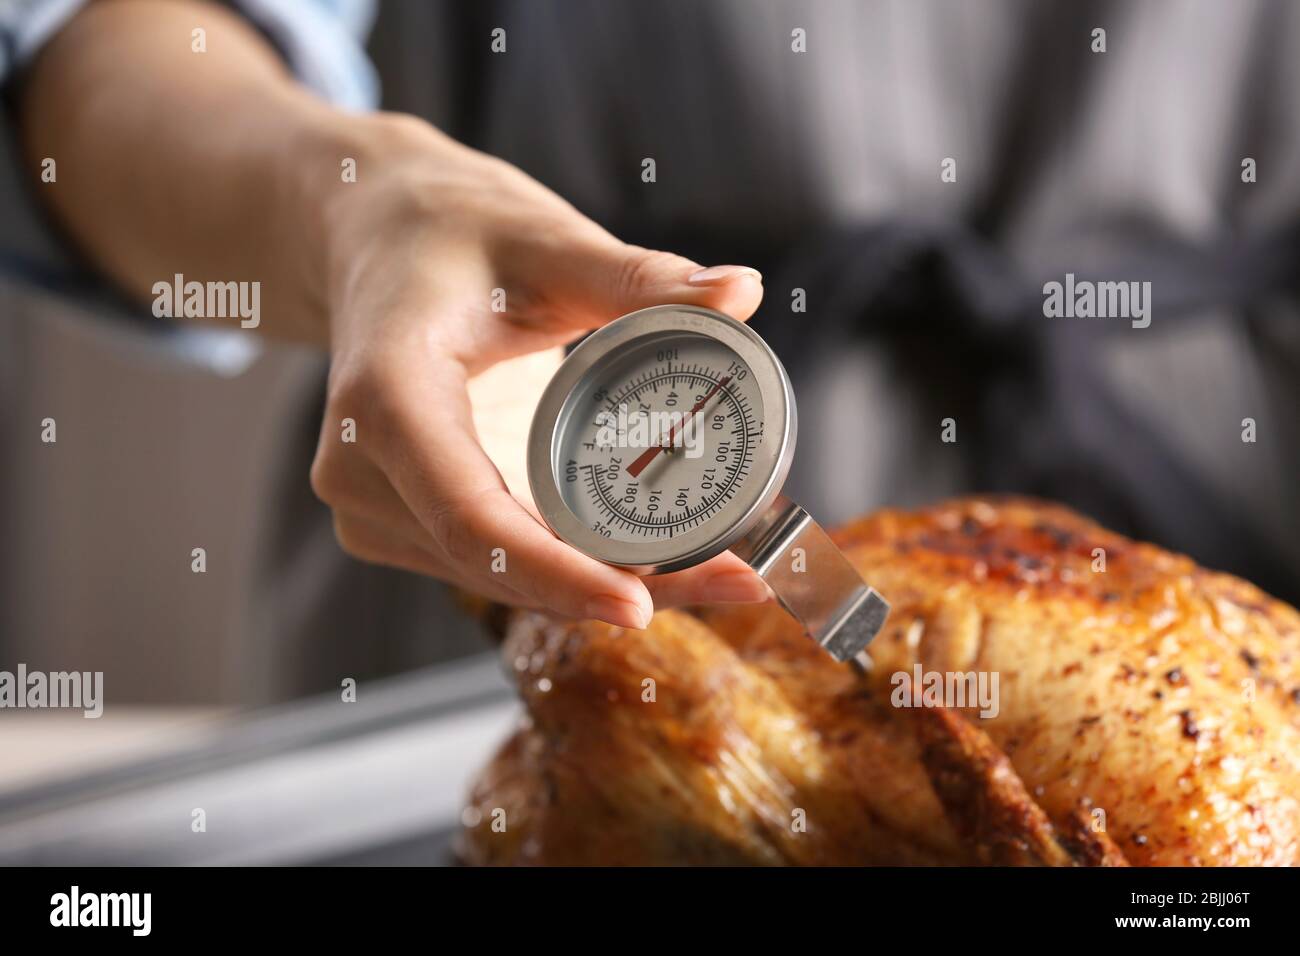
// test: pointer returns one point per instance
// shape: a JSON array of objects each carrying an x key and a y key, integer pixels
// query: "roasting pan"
[{"x": 376, "y": 782}]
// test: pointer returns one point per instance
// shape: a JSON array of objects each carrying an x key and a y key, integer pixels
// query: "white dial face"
[{"x": 658, "y": 439}]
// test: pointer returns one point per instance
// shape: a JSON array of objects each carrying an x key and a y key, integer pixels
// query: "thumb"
[{"x": 611, "y": 278}]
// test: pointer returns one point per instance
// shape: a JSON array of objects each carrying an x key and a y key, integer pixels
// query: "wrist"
[{"x": 345, "y": 190}]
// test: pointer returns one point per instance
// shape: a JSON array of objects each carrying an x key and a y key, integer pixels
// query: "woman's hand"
[{"x": 452, "y": 282}]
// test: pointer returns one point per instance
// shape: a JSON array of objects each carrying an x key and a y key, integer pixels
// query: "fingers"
[
  {"x": 478, "y": 530},
  {"x": 487, "y": 542},
  {"x": 601, "y": 278},
  {"x": 347, "y": 480},
  {"x": 722, "y": 580},
  {"x": 378, "y": 543}
]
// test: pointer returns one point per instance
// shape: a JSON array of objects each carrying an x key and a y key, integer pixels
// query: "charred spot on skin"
[
  {"x": 1190, "y": 730},
  {"x": 1251, "y": 660},
  {"x": 1060, "y": 537},
  {"x": 1084, "y": 724},
  {"x": 1175, "y": 676},
  {"x": 1295, "y": 695},
  {"x": 1029, "y": 562}
]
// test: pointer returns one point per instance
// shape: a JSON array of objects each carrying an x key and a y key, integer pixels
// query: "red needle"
[{"x": 648, "y": 456}]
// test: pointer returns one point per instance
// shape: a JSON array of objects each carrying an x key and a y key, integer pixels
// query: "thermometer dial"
[
  {"x": 666, "y": 444},
  {"x": 662, "y": 439}
]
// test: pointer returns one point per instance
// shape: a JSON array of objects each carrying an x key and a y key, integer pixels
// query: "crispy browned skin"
[
  {"x": 1160, "y": 694},
  {"x": 989, "y": 807}
]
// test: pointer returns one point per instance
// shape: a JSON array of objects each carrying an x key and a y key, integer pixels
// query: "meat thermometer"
[{"x": 664, "y": 439}]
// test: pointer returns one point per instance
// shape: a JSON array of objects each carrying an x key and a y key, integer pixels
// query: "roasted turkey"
[{"x": 1149, "y": 714}]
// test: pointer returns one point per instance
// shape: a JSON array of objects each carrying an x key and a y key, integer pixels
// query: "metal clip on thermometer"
[{"x": 664, "y": 439}]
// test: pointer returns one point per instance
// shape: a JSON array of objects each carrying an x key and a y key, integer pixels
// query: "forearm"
[{"x": 215, "y": 165}]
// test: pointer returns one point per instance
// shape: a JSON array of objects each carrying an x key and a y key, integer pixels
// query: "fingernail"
[
  {"x": 735, "y": 587},
  {"x": 617, "y": 611},
  {"x": 717, "y": 275}
]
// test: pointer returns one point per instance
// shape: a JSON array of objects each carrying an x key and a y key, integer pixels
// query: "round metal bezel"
[{"x": 771, "y": 462}]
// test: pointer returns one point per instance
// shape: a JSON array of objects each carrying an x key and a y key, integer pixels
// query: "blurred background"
[{"x": 820, "y": 166}]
